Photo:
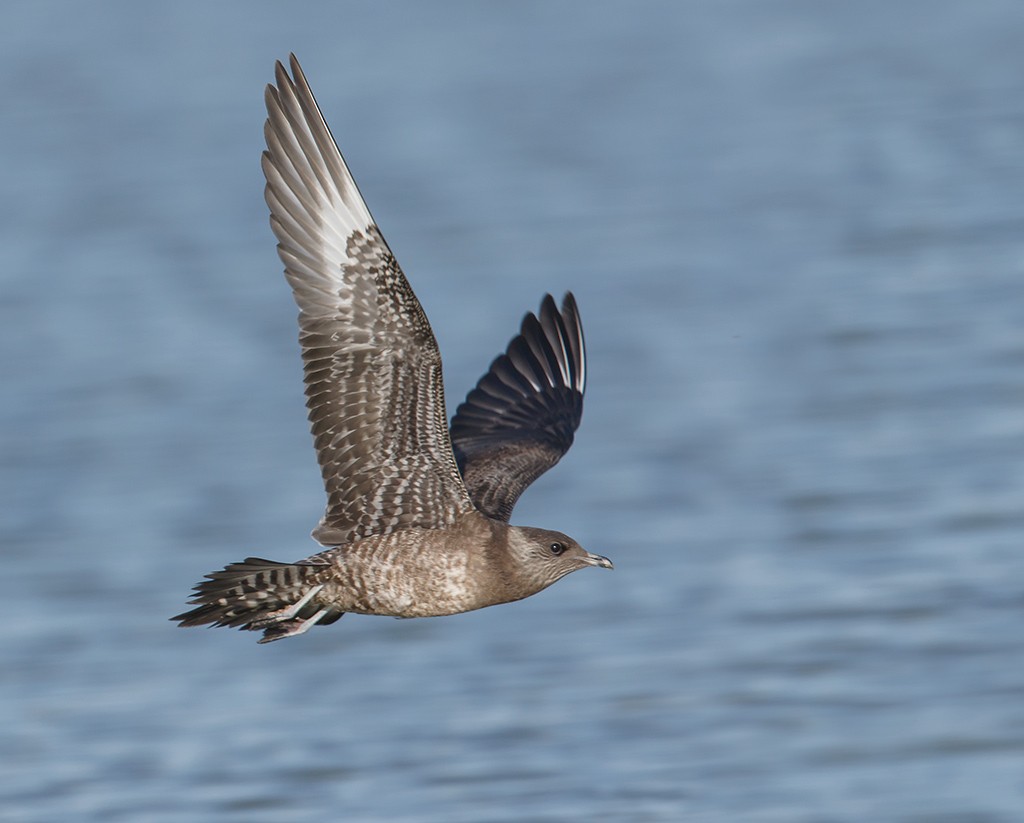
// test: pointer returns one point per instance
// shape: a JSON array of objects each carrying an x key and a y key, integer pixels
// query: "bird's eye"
[{"x": 556, "y": 548}]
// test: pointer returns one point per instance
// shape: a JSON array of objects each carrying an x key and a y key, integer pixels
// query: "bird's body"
[
  {"x": 416, "y": 522},
  {"x": 424, "y": 572}
]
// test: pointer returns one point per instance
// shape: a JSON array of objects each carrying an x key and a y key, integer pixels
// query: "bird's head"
[{"x": 542, "y": 557}]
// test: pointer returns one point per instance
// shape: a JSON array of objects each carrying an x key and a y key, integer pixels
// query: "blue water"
[{"x": 796, "y": 234}]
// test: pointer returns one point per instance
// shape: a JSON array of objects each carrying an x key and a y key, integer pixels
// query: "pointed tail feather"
[{"x": 257, "y": 594}]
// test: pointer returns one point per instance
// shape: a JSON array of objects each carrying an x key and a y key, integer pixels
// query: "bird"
[{"x": 417, "y": 516}]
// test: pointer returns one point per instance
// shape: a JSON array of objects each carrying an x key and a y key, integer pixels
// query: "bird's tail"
[{"x": 278, "y": 598}]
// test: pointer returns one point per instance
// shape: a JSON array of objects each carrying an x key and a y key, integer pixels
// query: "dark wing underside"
[
  {"x": 372, "y": 367},
  {"x": 521, "y": 417}
]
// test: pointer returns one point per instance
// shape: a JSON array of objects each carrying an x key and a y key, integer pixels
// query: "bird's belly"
[{"x": 407, "y": 588}]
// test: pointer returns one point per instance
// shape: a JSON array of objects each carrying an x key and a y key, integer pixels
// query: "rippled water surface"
[{"x": 796, "y": 233}]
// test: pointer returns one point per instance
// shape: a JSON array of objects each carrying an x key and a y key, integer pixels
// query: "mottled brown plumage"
[{"x": 415, "y": 528}]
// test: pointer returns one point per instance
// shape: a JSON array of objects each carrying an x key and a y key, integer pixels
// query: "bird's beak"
[{"x": 597, "y": 560}]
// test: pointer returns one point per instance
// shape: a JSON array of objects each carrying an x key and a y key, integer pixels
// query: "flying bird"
[{"x": 416, "y": 523}]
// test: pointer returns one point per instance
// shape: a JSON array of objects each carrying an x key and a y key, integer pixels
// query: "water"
[{"x": 794, "y": 230}]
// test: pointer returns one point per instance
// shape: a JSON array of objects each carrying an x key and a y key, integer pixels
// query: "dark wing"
[
  {"x": 372, "y": 367},
  {"x": 521, "y": 417}
]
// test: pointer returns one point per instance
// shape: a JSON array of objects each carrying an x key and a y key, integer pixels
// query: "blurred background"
[{"x": 796, "y": 234}]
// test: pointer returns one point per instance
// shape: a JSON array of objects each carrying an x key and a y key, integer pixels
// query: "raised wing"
[
  {"x": 521, "y": 417},
  {"x": 372, "y": 367}
]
